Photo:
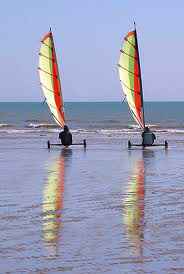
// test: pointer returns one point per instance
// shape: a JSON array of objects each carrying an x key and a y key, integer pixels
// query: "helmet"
[
  {"x": 147, "y": 129},
  {"x": 66, "y": 128}
]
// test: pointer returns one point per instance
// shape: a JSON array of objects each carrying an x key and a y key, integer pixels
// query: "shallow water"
[{"x": 103, "y": 210}]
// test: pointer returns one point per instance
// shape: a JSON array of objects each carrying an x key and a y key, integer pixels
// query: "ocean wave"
[
  {"x": 153, "y": 125},
  {"x": 134, "y": 126},
  {"x": 41, "y": 125},
  {"x": 32, "y": 121},
  {"x": 83, "y": 130},
  {"x": 3, "y": 125},
  {"x": 172, "y": 130},
  {"x": 105, "y": 131},
  {"x": 50, "y": 129},
  {"x": 110, "y": 121},
  {"x": 117, "y": 131},
  {"x": 121, "y": 131},
  {"x": 20, "y": 131}
]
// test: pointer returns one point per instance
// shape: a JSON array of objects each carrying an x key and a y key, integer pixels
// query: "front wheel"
[
  {"x": 166, "y": 144},
  {"x": 129, "y": 144}
]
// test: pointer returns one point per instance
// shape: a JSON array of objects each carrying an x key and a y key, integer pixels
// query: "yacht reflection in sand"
[
  {"x": 53, "y": 196},
  {"x": 134, "y": 204}
]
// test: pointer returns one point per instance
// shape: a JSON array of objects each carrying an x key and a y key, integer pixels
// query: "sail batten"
[
  {"x": 129, "y": 71},
  {"x": 130, "y": 76},
  {"x": 130, "y": 88},
  {"x": 45, "y": 56},
  {"x": 47, "y": 72},
  {"x": 50, "y": 80},
  {"x": 128, "y": 54},
  {"x": 48, "y": 88}
]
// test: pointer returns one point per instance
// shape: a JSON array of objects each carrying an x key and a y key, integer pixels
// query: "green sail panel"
[{"x": 130, "y": 76}]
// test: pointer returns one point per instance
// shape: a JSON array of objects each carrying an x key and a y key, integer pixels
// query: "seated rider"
[
  {"x": 65, "y": 136},
  {"x": 148, "y": 137}
]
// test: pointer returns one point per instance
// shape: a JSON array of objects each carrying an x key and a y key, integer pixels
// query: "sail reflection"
[
  {"x": 53, "y": 195},
  {"x": 134, "y": 207}
]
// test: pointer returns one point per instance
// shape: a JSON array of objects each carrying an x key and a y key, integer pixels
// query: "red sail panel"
[{"x": 137, "y": 88}]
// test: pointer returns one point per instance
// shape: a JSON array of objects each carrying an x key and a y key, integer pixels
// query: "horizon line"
[{"x": 113, "y": 101}]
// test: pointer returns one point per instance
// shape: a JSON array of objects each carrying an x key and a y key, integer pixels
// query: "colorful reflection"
[
  {"x": 134, "y": 207},
  {"x": 53, "y": 201}
]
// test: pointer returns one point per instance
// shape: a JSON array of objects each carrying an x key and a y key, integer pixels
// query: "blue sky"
[{"x": 88, "y": 35}]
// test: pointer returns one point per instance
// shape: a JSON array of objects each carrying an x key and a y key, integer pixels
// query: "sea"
[
  {"x": 89, "y": 118},
  {"x": 104, "y": 209}
]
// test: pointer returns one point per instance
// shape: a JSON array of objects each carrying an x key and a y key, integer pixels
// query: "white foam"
[
  {"x": 7, "y": 129},
  {"x": 153, "y": 125},
  {"x": 174, "y": 130},
  {"x": 41, "y": 125},
  {"x": 134, "y": 126},
  {"x": 5, "y": 125},
  {"x": 117, "y": 131}
]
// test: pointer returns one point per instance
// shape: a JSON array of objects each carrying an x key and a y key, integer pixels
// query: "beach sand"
[{"x": 103, "y": 210}]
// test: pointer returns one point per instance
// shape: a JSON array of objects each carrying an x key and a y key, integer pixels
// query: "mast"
[{"x": 142, "y": 99}]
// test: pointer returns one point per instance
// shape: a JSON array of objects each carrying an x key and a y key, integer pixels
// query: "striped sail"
[
  {"x": 130, "y": 76},
  {"x": 50, "y": 80}
]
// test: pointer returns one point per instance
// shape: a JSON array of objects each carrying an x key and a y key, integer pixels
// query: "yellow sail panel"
[
  {"x": 50, "y": 80},
  {"x": 130, "y": 76}
]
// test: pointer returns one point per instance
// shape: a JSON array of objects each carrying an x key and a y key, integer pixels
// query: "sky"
[{"x": 88, "y": 36}]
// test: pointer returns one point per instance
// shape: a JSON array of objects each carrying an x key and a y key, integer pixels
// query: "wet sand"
[{"x": 103, "y": 210}]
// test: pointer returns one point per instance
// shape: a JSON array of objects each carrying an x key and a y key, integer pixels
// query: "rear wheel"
[{"x": 84, "y": 143}]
